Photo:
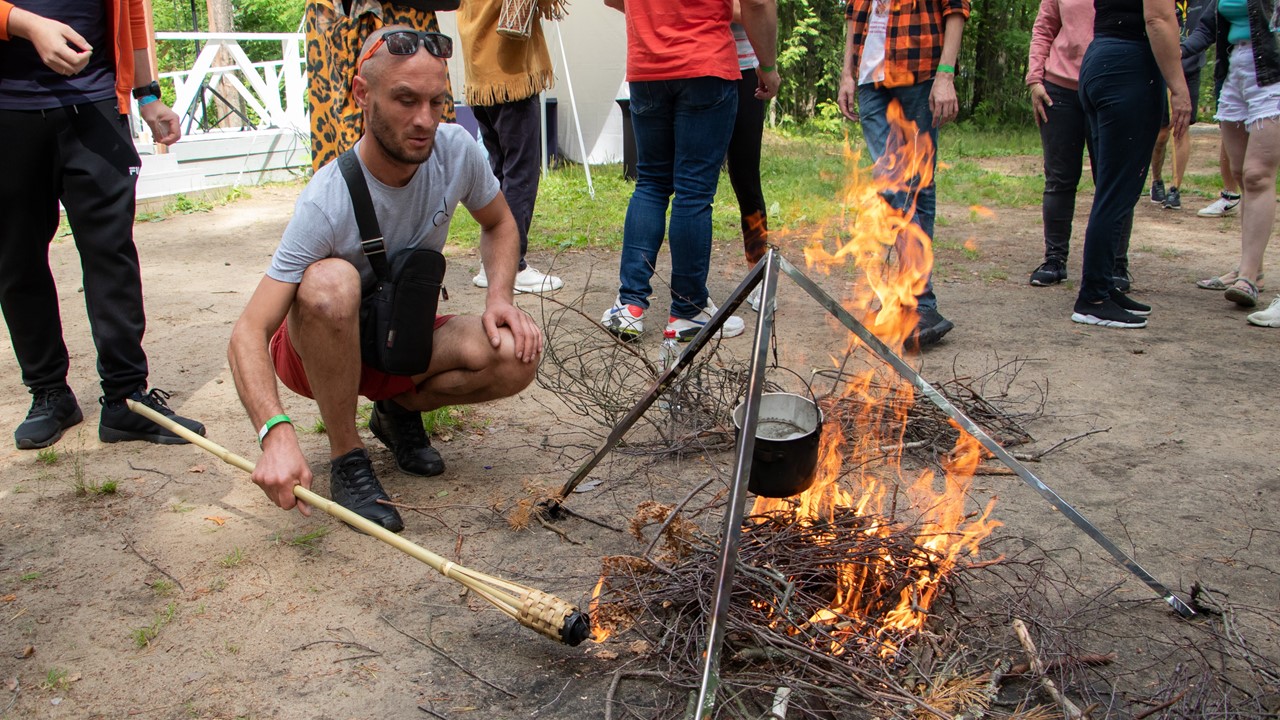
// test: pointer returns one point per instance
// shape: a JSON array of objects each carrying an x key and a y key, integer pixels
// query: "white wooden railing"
[{"x": 275, "y": 90}]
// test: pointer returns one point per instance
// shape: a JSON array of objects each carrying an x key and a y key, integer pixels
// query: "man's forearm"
[
  {"x": 142, "y": 67},
  {"x": 254, "y": 374},
  {"x": 952, "y": 32}
]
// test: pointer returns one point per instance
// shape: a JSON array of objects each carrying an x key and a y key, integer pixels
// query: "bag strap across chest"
[{"x": 371, "y": 243}]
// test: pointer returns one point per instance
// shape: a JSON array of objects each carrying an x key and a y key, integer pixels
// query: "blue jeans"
[
  {"x": 873, "y": 107},
  {"x": 1122, "y": 92},
  {"x": 682, "y": 129}
]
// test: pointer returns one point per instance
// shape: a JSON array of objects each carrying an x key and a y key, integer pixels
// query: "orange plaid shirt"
[{"x": 913, "y": 42}]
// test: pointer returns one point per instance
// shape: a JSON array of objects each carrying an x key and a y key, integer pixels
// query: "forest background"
[{"x": 989, "y": 78}]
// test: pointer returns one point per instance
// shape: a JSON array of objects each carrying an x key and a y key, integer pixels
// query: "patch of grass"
[
  {"x": 92, "y": 488},
  {"x": 28, "y": 577},
  {"x": 183, "y": 205},
  {"x": 181, "y": 507},
  {"x": 317, "y": 427},
  {"x": 1171, "y": 253},
  {"x": 143, "y": 636},
  {"x": 995, "y": 275},
  {"x": 55, "y": 679},
  {"x": 233, "y": 558},
  {"x": 445, "y": 418},
  {"x": 163, "y": 588},
  {"x": 48, "y": 456},
  {"x": 308, "y": 540}
]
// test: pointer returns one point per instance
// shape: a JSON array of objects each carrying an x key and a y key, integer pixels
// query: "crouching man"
[{"x": 303, "y": 321}]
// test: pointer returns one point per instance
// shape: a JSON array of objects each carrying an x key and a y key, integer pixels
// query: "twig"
[
  {"x": 358, "y": 657},
  {"x": 617, "y": 678},
  {"x": 593, "y": 521},
  {"x": 432, "y": 713},
  {"x": 1067, "y": 441},
  {"x": 563, "y": 535},
  {"x": 337, "y": 642},
  {"x": 1162, "y": 706},
  {"x": 672, "y": 515},
  {"x": 1069, "y": 708},
  {"x": 129, "y": 543},
  {"x": 17, "y": 688},
  {"x": 430, "y": 645}
]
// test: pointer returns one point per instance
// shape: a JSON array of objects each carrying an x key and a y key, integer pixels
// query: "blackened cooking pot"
[{"x": 786, "y": 452}]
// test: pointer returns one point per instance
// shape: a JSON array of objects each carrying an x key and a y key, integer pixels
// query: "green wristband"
[
  {"x": 942, "y": 68},
  {"x": 270, "y": 423},
  {"x": 768, "y": 68}
]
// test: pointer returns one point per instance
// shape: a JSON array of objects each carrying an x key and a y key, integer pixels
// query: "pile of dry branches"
[{"x": 1012, "y": 638}]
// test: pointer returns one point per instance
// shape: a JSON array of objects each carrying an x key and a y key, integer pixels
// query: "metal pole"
[
  {"x": 738, "y": 491},
  {"x": 577, "y": 121},
  {"x": 909, "y": 373}
]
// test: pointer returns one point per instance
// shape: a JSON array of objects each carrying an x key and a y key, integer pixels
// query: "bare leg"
[
  {"x": 1261, "y": 158},
  {"x": 324, "y": 326},
  {"x": 1157, "y": 155},
  {"x": 466, "y": 369},
  {"x": 1181, "y": 154},
  {"x": 1229, "y": 182}
]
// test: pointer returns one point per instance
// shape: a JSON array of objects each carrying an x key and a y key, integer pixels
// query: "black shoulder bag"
[{"x": 397, "y": 319}]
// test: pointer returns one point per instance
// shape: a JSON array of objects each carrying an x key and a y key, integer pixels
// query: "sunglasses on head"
[{"x": 405, "y": 42}]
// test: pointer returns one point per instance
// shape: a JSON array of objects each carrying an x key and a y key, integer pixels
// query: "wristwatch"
[{"x": 147, "y": 93}]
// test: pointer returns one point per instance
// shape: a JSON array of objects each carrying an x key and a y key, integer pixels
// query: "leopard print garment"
[{"x": 334, "y": 38}]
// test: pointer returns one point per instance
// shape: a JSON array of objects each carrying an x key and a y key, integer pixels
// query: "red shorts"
[{"x": 374, "y": 384}]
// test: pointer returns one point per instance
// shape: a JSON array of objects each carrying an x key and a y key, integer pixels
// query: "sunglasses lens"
[
  {"x": 439, "y": 45},
  {"x": 401, "y": 43}
]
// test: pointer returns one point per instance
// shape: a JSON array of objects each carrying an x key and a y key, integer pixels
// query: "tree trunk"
[{"x": 221, "y": 20}]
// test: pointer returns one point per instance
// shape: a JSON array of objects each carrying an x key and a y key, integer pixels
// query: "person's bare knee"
[
  {"x": 329, "y": 292},
  {"x": 510, "y": 372}
]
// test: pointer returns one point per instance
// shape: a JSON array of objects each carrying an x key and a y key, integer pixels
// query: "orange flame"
[{"x": 893, "y": 258}]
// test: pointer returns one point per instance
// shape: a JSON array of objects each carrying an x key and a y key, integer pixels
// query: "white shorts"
[{"x": 1243, "y": 99}]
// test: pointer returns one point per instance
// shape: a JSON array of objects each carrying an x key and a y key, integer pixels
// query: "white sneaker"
[
  {"x": 530, "y": 280},
  {"x": 686, "y": 330},
  {"x": 625, "y": 321},
  {"x": 1220, "y": 207},
  {"x": 754, "y": 299},
  {"x": 1269, "y": 317}
]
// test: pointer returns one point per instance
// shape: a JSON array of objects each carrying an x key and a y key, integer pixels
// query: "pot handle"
[{"x": 807, "y": 386}]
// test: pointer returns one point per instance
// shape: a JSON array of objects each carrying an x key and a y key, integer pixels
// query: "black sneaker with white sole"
[
  {"x": 1050, "y": 272},
  {"x": 1128, "y": 304},
  {"x": 1106, "y": 314}
]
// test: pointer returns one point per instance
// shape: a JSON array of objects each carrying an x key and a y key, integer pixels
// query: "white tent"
[{"x": 595, "y": 45}]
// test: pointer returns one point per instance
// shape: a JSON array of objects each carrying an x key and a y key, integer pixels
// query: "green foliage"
[{"x": 810, "y": 56}]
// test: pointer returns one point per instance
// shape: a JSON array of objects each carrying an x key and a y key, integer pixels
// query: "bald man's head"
[{"x": 402, "y": 97}]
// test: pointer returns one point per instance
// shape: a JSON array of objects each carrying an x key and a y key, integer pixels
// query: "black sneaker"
[
  {"x": 53, "y": 410},
  {"x": 1128, "y": 304},
  {"x": 1050, "y": 272},
  {"x": 1106, "y": 314},
  {"x": 1157, "y": 191},
  {"x": 118, "y": 423},
  {"x": 1173, "y": 199},
  {"x": 402, "y": 432},
  {"x": 353, "y": 485},
  {"x": 929, "y": 329}
]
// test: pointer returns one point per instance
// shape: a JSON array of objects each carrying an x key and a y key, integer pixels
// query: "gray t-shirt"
[{"x": 416, "y": 215}]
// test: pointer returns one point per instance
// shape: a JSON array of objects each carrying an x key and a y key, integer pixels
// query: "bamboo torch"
[{"x": 535, "y": 609}]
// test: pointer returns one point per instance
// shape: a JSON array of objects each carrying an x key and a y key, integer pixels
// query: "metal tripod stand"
[{"x": 766, "y": 273}]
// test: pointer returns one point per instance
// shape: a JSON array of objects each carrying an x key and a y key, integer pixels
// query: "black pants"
[
  {"x": 511, "y": 136},
  {"x": 744, "y": 167},
  {"x": 84, "y": 157},
  {"x": 1065, "y": 137}
]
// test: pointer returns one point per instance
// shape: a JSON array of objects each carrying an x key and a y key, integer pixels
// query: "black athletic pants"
[
  {"x": 744, "y": 167},
  {"x": 511, "y": 132},
  {"x": 83, "y": 156}
]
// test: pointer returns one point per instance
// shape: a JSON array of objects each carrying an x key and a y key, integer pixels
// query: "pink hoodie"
[{"x": 1059, "y": 37}]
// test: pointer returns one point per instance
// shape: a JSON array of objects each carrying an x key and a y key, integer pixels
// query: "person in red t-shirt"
[{"x": 682, "y": 67}]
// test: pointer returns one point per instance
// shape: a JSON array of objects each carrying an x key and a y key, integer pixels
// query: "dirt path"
[{"x": 186, "y": 594}]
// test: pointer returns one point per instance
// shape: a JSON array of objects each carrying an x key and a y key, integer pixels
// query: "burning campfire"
[
  {"x": 845, "y": 573},
  {"x": 880, "y": 592}
]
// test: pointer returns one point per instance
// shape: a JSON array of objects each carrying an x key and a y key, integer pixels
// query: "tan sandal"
[
  {"x": 1243, "y": 293},
  {"x": 1224, "y": 281}
]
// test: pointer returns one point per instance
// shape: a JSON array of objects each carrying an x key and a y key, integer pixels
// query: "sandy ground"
[{"x": 186, "y": 594}]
